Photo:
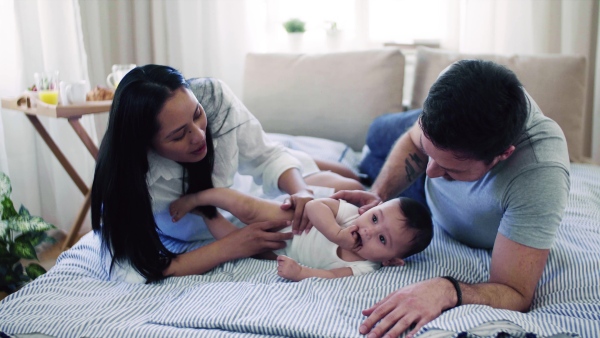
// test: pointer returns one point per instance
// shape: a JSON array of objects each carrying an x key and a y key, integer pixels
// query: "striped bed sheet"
[{"x": 246, "y": 298}]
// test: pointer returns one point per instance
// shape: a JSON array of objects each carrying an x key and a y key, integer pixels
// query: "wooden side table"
[{"x": 72, "y": 113}]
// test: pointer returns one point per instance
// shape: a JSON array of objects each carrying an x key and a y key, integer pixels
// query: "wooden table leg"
[
  {"x": 69, "y": 241},
  {"x": 74, "y": 231},
  {"x": 83, "y": 135},
  {"x": 59, "y": 155}
]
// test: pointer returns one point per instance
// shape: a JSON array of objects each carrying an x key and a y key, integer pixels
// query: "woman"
[{"x": 167, "y": 137}]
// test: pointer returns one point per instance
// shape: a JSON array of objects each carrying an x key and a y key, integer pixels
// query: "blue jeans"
[{"x": 382, "y": 134}]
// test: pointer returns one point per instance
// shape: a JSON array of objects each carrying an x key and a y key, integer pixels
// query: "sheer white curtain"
[
  {"x": 529, "y": 27},
  {"x": 200, "y": 38},
  {"x": 39, "y": 35}
]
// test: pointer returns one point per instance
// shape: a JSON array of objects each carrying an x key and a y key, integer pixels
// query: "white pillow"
[{"x": 334, "y": 96}]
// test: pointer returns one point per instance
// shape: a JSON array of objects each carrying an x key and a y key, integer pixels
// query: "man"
[{"x": 497, "y": 177}]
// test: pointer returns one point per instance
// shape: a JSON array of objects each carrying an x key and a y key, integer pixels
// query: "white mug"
[
  {"x": 73, "y": 92},
  {"x": 118, "y": 72}
]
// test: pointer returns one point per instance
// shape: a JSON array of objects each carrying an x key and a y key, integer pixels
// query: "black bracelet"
[{"x": 457, "y": 288}]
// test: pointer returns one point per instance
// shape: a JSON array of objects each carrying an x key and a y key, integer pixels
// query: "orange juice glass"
[
  {"x": 48, "y": 96},
  {"x": 46, "y": 84}
]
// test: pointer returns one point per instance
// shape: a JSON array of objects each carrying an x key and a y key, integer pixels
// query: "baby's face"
[{"x": 382, "y": 231}]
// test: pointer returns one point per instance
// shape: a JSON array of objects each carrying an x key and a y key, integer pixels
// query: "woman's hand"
[
  {"x": 365, "y": 200},
  {"x": 257, "y": 238},
  {"x": 297, "y": 202},
  {"x": 239, "y": 243}
]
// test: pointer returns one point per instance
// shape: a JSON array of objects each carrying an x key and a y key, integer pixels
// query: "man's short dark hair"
[{"x": 476, "y": 108}]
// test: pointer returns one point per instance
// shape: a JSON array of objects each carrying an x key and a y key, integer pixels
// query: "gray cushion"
[{"x": 334, "y": 96}]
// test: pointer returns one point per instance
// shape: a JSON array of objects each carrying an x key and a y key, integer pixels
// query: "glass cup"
[
  {"x": 118, "y": 72},
  {"x": 46, "y": 84}
]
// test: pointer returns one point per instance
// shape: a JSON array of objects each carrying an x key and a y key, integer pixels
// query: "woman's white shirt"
[{"x": 240, "y": 145}]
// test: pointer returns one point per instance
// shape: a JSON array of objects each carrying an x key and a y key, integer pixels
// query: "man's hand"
[
  {"x": 408, "y": 308},
  {"x": 365, "y": 200},
  {"x": 297, "y": 202}
]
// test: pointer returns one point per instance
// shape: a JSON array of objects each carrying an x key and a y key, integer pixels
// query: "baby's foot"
[{"x": 180, "y": 207}]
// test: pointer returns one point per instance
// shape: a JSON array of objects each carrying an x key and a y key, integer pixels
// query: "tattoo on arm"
[{"x": 411, "y": 173}]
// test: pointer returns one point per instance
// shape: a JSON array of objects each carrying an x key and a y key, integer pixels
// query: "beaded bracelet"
[{"x": 457, "y": 288}]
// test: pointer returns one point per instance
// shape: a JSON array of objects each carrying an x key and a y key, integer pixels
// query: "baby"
[{"x": 344, "y": 243}]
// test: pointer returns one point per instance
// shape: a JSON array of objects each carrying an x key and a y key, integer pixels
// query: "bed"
[{"x": 246, "y": 298}]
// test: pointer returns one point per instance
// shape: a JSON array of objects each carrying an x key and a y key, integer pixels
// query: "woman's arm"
[
  {"x": 251, "y": 240},
  {"x": 266, "y": 161},
  {"x": 246, "y": 208},
  {"x": 219, "y": 226}
]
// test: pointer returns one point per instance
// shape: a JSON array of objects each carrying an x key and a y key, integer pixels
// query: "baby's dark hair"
[{"x": 418, "y": 219}]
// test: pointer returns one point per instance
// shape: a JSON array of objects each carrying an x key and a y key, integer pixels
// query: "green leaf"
[
  {"x": 23, "y": 249},
  {"x": 9, "y": 278},
  {"x": 3, "y": 270},
  {"x": 18, "y": 269},
  {"x": 50, "y": 239},
  {"x": 8, "y": 209},
  {"x": 5, "y": 187},
  {"x": 6, "y": 258},
  {"x": 4, "y": 231},
  {"x": 35, "y": 238},
  {"x": 32, "y": 224},
  {"x": 35, "y": 270},
  {"x": 24, "y": 212}
]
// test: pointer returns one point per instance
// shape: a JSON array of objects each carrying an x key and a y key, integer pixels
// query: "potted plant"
[
  {"x": 20, "y": 234},
  {"x": 334, "y": 36},
  {"x": 295, "y": 29},
  {"x": 294, "y": 26}
]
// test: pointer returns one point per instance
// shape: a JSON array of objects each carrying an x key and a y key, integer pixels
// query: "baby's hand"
[
  {"x": 181, "y": 206},
  {"x": 348, "y": 237},
  {"x": 288, "y": 268}
]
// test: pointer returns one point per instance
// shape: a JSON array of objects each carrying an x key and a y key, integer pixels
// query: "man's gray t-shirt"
[{"x": 523, "y": 197}]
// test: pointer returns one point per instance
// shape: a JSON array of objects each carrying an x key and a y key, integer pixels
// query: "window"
[{"x": 362, "y": 23}]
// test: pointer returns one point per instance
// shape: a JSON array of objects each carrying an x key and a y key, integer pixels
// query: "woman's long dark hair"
[{"x": 121, "y": 202}]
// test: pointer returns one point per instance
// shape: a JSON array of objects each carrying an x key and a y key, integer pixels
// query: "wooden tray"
[{"x": 24, "y": 104}]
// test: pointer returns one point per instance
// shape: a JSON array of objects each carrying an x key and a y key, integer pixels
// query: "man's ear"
[
  {"x": 506, "y": 154},
  {"x": 393, "y": 262}
]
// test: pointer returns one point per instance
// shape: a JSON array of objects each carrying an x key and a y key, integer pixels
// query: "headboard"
[{"x": 334, "y": 96}]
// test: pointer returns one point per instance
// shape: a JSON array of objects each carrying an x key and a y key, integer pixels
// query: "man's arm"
[
  {"x": 246, "y": 208},
  {"x": 404, "y": 164},
  {"x": 508, "y": 288}
]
